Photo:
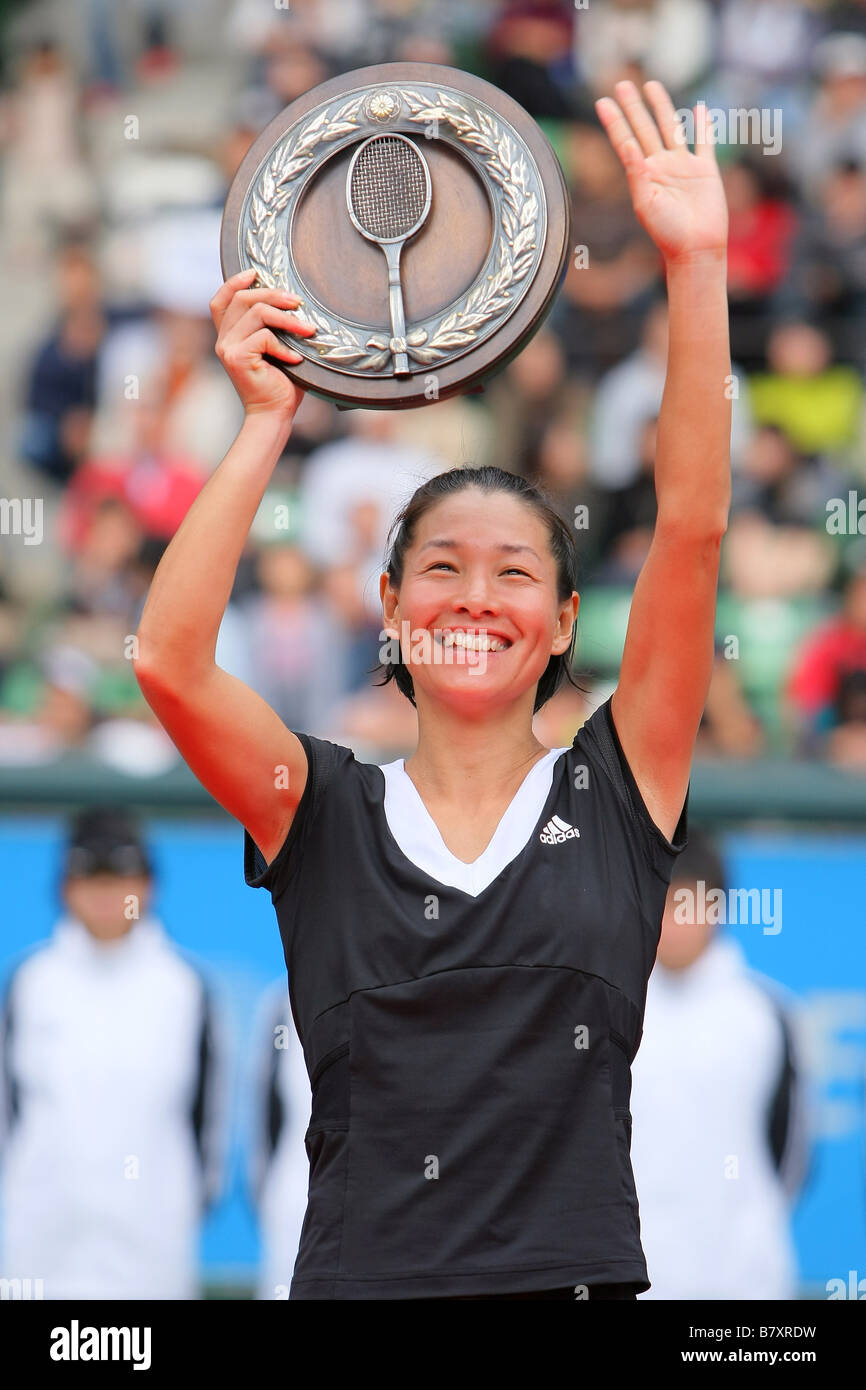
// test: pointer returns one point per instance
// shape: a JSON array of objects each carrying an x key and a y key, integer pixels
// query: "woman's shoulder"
[{"x": 332, "y": 762}]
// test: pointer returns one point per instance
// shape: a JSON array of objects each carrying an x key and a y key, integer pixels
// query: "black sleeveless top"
[{"x": 470, "y": 1055}]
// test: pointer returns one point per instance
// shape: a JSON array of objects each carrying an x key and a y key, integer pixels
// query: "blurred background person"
[
  {"x": 114, "y": 1087},
  {"x": 670, "y": 39},
  {"x": 719, "y": 1106},
  {"x": 279, "y": 1166},
  {"x": 48, "y": 184},
  {"x": 824, "y": 687}
]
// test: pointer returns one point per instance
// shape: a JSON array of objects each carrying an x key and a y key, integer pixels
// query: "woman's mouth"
[{"x": 471, "y": 639}]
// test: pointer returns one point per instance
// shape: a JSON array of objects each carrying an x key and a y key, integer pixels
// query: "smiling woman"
[
  {"x": 470, "y": 931},
  {"x": 454, "y": 523}
]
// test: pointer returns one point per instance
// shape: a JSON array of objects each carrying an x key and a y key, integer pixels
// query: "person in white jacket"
[
  {"x": 279, "y": 1167},
  {"x": 112, "y": 1144},
  {"x": 719, "y": 1104}
]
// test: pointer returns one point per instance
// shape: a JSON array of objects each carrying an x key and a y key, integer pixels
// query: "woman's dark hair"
[{"x": 562, "y": 548}]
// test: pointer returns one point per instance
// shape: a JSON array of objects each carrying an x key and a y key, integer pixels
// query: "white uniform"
[
  {"x": 114, "y": 1104},
  {"x": 719, "y": 1134},
  {"x": 279, "y": 1165}
]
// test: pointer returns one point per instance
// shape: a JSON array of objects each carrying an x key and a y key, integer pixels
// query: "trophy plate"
[{"x": 421, "y": 216}]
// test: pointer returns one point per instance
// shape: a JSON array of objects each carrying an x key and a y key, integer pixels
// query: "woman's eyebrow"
[{"x": 509, "y": 546}]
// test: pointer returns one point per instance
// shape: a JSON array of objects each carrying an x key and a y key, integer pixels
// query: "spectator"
[
  {"x": 815, "y": 401},
  {"x": 629, "y": 515},
  {"x": 102, "y": 576},
  {"x": 614, "y": 271},
  {"x": 728, "y": 728},
  {"x": 559, "y": 465},
  {"x": 721, "y": 1139},
  {"x": 48, "y": 187},
  {"x": 293, "y": 642},
  {"x": 113, "y": 1149},
  {"x": 822, "y": 688},
  {"x": 60, "y": 395},
  {"x": 158, "y": 486},
  {"x": 846, "y": 741},
  {"x": 835, "y": 127},
  {"x": 59, "y": 716},
  {"x": 279, "y": 1163},
  {"x": 776, "y": 544},
  {"x": 761, "y": 228},
  {"x": 828, "y": 275},
  {"x": 164, "y": 363},
  {"x": 764, "y": 45},
  {"x": 521, "y": 401},
  {"x": 671, "y": 40},
  {"x": 630, "y": 393},
  {"x": 367, "y": 466},
  {"x": 529, "y": 54}
]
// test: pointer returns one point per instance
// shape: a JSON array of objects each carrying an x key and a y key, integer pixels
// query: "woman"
[{"x": 469, "y": 933}]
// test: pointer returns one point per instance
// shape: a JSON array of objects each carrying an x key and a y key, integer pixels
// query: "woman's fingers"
[
  {"x": 266, "y": 341},
  {"x": 245, "y": 300},
  {"x": 704, "y": 133},
  {"x": 232, "y": 298},
  {"x": 257, "y": 318},
  {"x": 224, "y": 295},
  {"x": 261, "y": 313},
  {"x": 277, "y": 317},
  {"x": 634, "y": 133},
  {"x": 619, "y": 132},
  {"x": 642, "y": 123},
  {"x": 665, "y": 114}
]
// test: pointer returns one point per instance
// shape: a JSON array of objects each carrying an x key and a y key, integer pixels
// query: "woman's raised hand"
[
  {"x": 677, "y": 196},
  {"x": 245, "y": 320}
]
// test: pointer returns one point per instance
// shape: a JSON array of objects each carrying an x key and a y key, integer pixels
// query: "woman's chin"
[{"x": 470, "y": 688}]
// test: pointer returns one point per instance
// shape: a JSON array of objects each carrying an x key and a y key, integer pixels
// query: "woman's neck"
[{"x": 458, "y": 758}]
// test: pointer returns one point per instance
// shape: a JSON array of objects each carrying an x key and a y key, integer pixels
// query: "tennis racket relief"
[{"x": 388, "y": 195}]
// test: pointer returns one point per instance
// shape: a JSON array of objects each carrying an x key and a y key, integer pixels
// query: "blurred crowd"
[{"x": 121, "y": 128}]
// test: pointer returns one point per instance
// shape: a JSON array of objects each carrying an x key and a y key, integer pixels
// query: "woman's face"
[{"x": 477, "y": 612}]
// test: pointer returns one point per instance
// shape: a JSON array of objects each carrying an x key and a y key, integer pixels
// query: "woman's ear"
[
  {"x": 388, "y": 595},
  {"x": 567, "y": 620}
]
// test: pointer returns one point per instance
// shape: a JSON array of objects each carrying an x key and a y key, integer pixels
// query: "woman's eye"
[{"x": 447, "y": 565}]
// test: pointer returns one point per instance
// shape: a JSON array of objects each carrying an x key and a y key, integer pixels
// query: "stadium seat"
[{"x": 601, "y": 627}]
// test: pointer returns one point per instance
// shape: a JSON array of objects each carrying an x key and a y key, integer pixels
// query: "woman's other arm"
[{"x": 668, "y": 657}]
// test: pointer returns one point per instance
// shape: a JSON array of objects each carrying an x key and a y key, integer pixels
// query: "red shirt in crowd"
[
  {"x": 830, "y": 654},
  {"x": 759, "y": 246},
  {"x": 158, "y": 489}
]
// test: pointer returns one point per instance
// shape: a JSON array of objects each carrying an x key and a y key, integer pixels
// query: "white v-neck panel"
[{"x": 417, "y": 834}]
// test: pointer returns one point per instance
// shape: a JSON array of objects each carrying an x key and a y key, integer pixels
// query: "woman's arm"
[
  {"x": 236, "y": 745},
  {"x": 668, "y": 656}
]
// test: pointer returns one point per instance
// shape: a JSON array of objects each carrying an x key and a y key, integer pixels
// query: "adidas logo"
[{"x": 558, "y": 830}]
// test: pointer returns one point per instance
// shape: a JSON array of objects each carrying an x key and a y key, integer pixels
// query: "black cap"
[
  {"x": 700, "y": 862},
  {"x": 105, "y": 840}
]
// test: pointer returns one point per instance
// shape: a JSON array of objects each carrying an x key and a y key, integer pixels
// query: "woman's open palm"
[{"x": 677, "y": 196}]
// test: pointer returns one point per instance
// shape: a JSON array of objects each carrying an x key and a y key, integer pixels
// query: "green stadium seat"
[
  {"x": 768, "y": 633},
  {"x": 602, "y": 620}
]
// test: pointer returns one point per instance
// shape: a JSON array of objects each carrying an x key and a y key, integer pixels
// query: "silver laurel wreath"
[{"x": 518, "y": 223}]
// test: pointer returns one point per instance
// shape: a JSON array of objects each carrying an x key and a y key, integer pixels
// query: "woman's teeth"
[{"x": 472, "y": 641}]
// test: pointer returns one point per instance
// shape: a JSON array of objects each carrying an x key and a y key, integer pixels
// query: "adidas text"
[{"x": 557, "y": 830}]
